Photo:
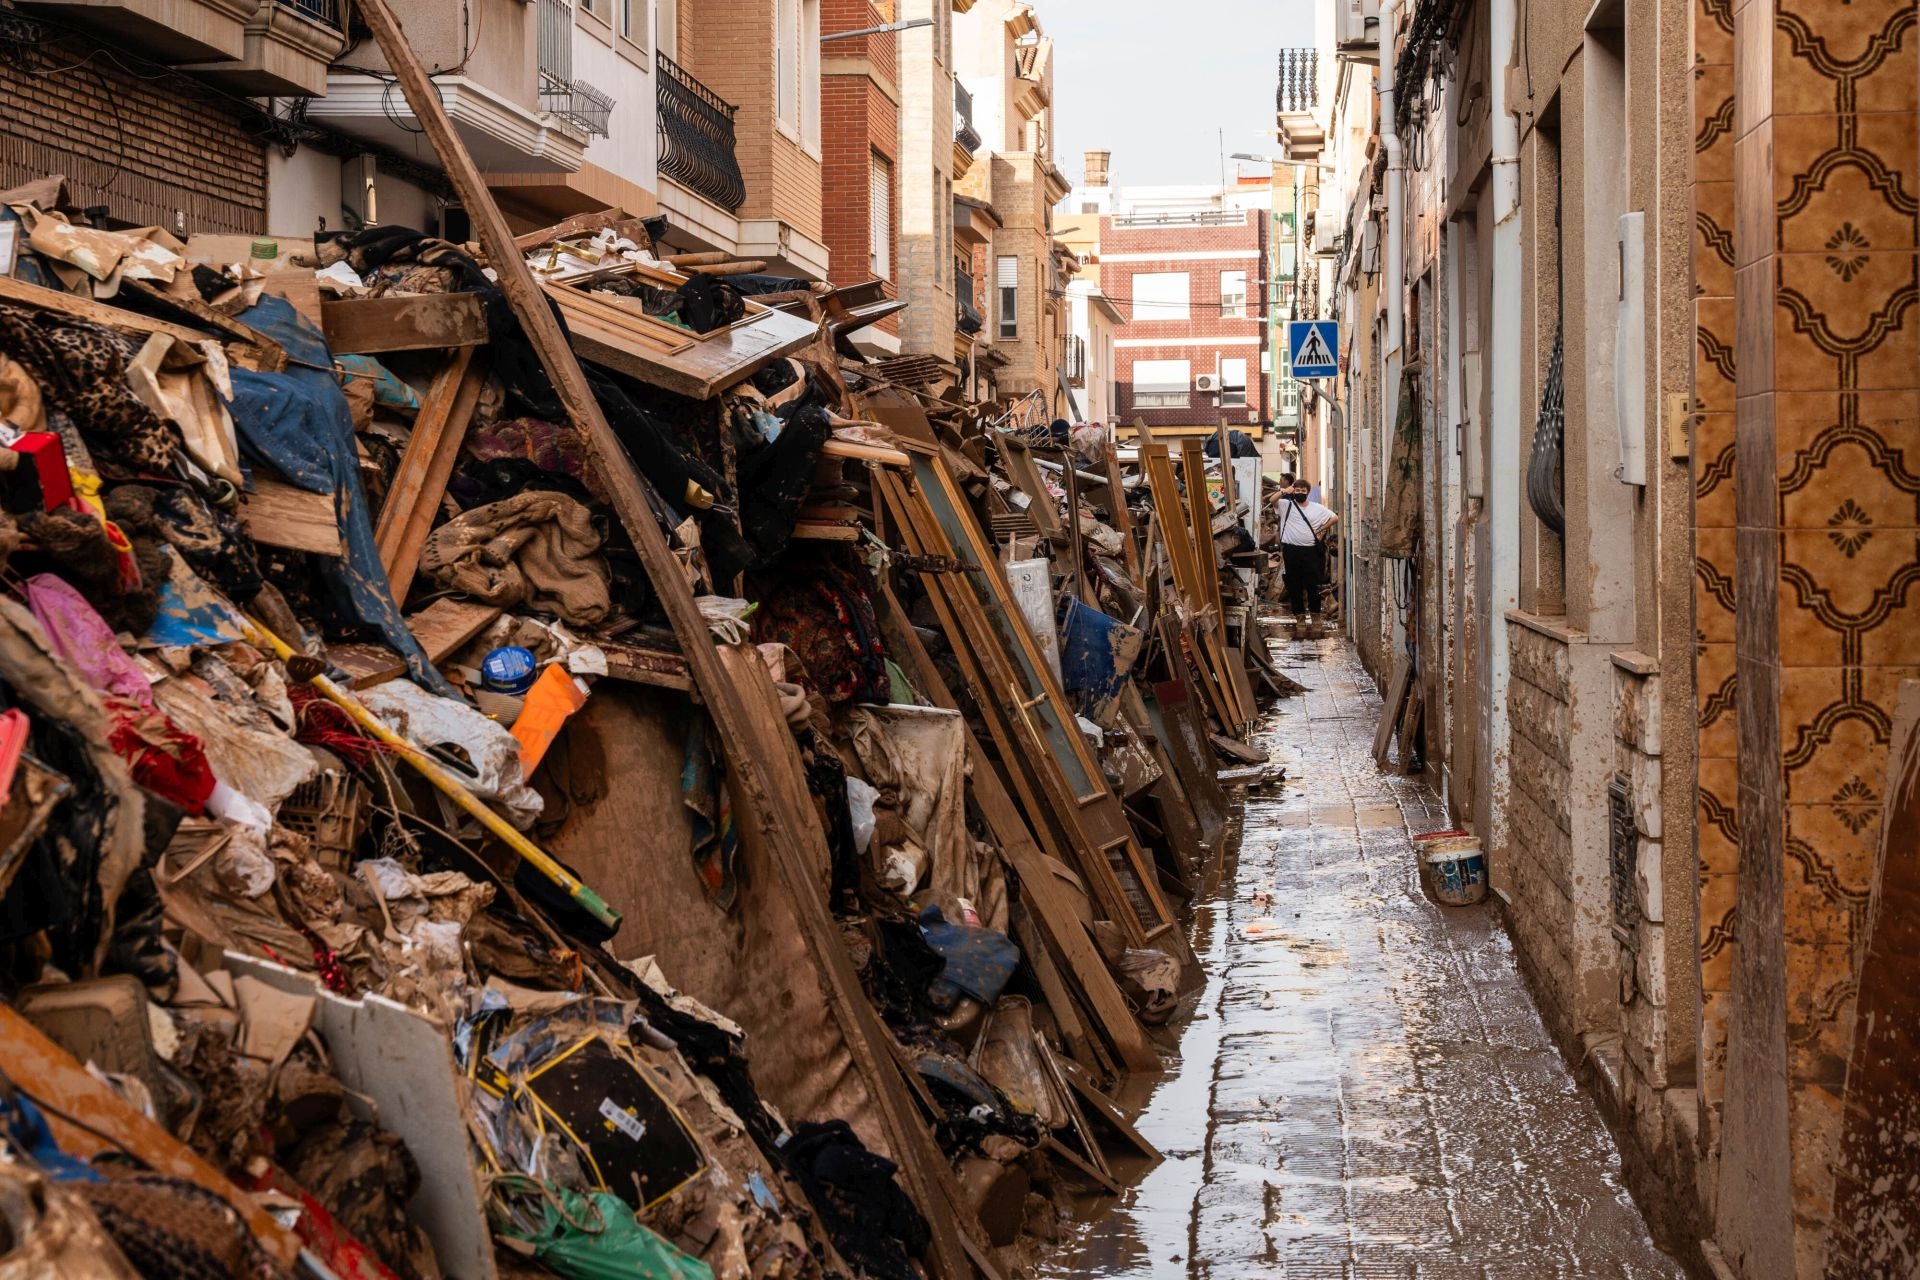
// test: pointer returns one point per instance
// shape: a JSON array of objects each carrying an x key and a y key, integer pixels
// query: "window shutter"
[
  {"x": 1009, "y": 273},
  {"x": 880, "y": 224}
]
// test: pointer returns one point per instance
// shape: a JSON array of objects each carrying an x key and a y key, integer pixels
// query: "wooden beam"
[
  {"x": 587, "y": 224},
  {"x": 1052, "y": 912},
  {"x": 406, "y": 517},
  {"x": 921, "y": 1161},
  {"x": 404, "y": 322},
  {"x": 281, "y": 515},
  {"x": 32, "y": 295}
]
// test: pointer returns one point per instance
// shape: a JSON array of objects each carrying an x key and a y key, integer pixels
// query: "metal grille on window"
[
  {"x": 1007, "y": 279},
  {"x": 1622, "y": 848}
]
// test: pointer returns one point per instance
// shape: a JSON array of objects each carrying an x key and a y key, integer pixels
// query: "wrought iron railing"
[
  {"x": 1075, "y": 365},
  {"x": 325, "y": 12},
  {"x": 966, "y": 313},
  {"x": 1298, "y": 90},
  {"x": 556, "y": 47},
  {"x": 696, "y": 138},
  {"x": 963, "y": 131}
]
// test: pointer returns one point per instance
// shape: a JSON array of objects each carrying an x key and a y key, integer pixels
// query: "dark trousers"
[{"x": 1305, "y": 567}]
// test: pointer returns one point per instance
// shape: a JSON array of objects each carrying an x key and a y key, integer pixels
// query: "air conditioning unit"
[
  {"x": 1206, "y": 382},
  {"x": 1356, "y": 29}
]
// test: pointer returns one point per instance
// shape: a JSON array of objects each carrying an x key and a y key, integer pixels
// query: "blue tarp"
[{"x": 298, "y": 422}]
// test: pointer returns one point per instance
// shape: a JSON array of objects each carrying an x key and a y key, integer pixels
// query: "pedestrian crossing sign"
[{"x": 1311, "y": 348}]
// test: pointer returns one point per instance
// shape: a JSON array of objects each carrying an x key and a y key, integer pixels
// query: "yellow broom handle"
[{"x": 450, "y": 785}]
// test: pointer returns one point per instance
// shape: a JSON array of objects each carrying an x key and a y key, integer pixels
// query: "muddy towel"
[{"x": 538, "y": 550}]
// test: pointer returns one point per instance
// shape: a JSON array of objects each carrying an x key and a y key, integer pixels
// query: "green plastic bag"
[{"x": 591, "y": 1237}]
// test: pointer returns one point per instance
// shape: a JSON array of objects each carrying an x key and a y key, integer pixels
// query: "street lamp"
[{"x": 905, "y": 24}]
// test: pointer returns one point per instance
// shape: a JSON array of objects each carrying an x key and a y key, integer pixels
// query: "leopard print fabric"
[{"x": 82, "y": 371}]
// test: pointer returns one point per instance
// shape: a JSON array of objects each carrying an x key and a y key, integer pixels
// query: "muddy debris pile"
[{"x": 533, "y": 756}]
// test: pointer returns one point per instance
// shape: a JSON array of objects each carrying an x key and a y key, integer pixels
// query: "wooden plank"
[
  {"x": 406, "y": 517},
  {"x": 1171, "y": 523},
  {"x": 1119, "y": 516},
  {"x": 1104, "y": 1107},
  {"x": 1053, "y": 912},
  {"x": 366, "y": 664},
  {"x": 32, "y": 295},
  {"x": 1398, "y": 686},
  {"x": 587, "y": 224},
  {"x": 62, "y": 1087},
  {"x": 447, "y": 624},
  {"x": 925, "y": 1172},
  {"x": 646, "y": 666},
  {"x": 259, "y": 351},
  {"x": 700, "y": 366},
  {"x": 981, "y": 606},
  {"x": 404, "y": 322},
  {"x": 281, "y": 515},
  {"x": 1193, "y": 468}
]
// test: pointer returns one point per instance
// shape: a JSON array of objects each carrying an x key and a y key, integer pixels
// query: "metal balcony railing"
[
  {"x": 963, "y": 131},
  {"x": 555, "y": 46},
  {"x": 696, "y": 138},
  {"x": 1075, "y": 365},
  {"x": 966, "y": 315},
  {"x": 324, "y": 12},
  {"x": 1298, "y": 90}
]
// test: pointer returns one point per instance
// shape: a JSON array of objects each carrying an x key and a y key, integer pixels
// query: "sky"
[{"x": 1154, "y": 82}]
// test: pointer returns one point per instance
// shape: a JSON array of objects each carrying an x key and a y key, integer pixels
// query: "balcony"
[
  {"x": 1074, "y": 366},
  {"x": 966, "y": 317},
  {"x": 965, "y": 136},
  {"x": 172, "y": 31},
  {"x": 1296, "y": 104},
  {"x": 284, "y": 50},
  {"x": 697, "y": 139}
]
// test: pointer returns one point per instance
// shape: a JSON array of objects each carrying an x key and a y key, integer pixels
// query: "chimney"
[{"x": 1096, "y": 162}]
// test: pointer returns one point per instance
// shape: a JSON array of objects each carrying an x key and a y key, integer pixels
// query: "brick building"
[
  {"x": 860, "y": 155},
  {"x": 1189, "y": 276}
]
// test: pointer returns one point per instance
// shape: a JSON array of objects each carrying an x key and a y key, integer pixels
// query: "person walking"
[{"x": 1303, "y": 551}]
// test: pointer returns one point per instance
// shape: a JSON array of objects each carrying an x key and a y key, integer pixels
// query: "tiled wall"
[{"x": 1824, "y": 318}]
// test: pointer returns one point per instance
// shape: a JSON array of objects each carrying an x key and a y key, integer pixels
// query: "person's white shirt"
[{"x": 1299, "y": 522}]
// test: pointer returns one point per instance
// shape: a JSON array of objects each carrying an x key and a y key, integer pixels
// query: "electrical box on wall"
[{"x": 1630, "y": 351}]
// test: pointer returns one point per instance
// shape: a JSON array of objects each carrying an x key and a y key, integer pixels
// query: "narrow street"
[{"x": 1366, "y": 1089}]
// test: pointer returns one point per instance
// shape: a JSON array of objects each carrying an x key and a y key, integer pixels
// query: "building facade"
[
  {"x": 1187, "y": 267},
  {"x": 1627, "y": 341},
  {"x": 1004, "y": 61},
  {"x": 861, "y": 187}
]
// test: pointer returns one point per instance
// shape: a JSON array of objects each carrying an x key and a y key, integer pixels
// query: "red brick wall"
[
  {"x": 1194, "y": 339},
  {"x": 858, "y": 121},
  {"x": 145, "y": 149}
]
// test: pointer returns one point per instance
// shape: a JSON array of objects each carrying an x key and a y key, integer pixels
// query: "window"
[
  {"x": 1233, "y": 384},
  {"x": 786, "y": 63},
  {"x": 1162, "y": 384},
  {"x": 1160, "y": 295},
  {"x": 1233, "y": 295},
  {"x": 880, "y": 219},
  {"x": 1007, "y": 280},
  {"x": 810, "y": 73}
]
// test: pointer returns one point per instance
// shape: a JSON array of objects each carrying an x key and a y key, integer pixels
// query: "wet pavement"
[{"x": 1366, "y": 1089}]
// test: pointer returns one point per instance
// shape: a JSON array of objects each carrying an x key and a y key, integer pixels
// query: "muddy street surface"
[{"x": 1366, "y": 1089}]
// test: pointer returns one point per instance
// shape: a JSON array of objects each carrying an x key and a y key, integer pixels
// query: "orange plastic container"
[{"x": 553, "y": 697}]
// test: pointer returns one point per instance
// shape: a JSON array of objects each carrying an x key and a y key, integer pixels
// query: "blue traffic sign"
[{"x": 1313, "y": 348}]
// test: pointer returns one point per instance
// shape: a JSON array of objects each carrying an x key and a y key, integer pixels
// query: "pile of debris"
[{"x": 534, "y": 756}]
